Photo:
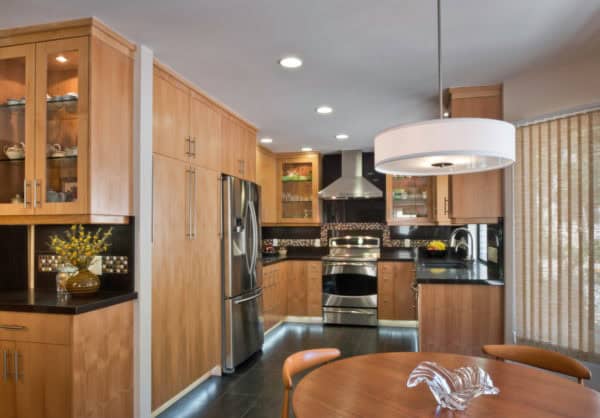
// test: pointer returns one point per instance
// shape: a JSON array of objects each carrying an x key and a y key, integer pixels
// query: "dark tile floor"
[{"x": 255, "y": 390}]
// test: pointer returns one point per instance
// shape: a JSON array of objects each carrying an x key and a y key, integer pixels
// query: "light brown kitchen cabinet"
[
  {"x": 186, "y": 294},
  {"x": 396, "y": 297},
  {"x": 239, "y": 148},
  {"x": 460, "y": 318},
  {"x": 477, "y": 197},
  {"x": 266, "y": 173},
  {"x": 304, "y": 288},
  {"x": 66, "y": 111},
  {"x": 441, "y": 207},
  {"x": 410, "y": 200},
  {"x": 186, "y": 125},
  {"x": 275, "y": 294},
  {"x": 314, "y": 291},
  {"x": 48, "y": 372},
  {"x": 298, "y": 188},
  {"x": 297, "y": 288}
]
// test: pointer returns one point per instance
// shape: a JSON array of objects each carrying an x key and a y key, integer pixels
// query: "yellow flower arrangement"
[{"x": 79, "y": 247}]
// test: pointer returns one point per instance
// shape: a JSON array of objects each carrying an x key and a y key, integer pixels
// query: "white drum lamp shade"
[{"x": 445, "y": 146}]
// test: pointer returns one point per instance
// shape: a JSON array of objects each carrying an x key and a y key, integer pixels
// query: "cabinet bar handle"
[
  {"x": 13, "y": 327},
  {"x": 193, "y": 211},
  {"x": 25, "y": 187},
  {"x": 221, "y": 205},
  {"x": 17, "y": 375},
  {"x": 188, "y": 143},
  {"x": 445, "y": 206},
  {"x": 193, "y": 143},
  {"x": 35, "y": 193},
  {"x": 5, "y": 365}
]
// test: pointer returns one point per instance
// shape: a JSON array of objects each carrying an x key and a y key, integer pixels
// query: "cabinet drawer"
[{"x": 35, "y": 327}]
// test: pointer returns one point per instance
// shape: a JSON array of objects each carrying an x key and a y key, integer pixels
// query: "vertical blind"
[{"x": 557, "y": 235}]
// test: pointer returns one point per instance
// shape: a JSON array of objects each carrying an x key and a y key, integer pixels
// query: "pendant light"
[{"x": 445, "y": 146}]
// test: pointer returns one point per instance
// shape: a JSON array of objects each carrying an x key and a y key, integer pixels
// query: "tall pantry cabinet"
[{"x": 191, "y": 135}]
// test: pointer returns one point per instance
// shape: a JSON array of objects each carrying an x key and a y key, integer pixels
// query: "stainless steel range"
[{"x": 350, "y": 281}]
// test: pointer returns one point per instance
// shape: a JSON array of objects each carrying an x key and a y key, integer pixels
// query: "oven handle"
[
  {"x": 348, "y": 263},
  {"x": 350, "y": 312}
]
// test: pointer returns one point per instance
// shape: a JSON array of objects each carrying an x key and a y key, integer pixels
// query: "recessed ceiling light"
[
  {"x": 266, "y": 140},
  {"x": 290, "y": 62},
  {"x": 62, "y": 59},
  {"x": 306, "y": 149},
  {"x": 341, "y": 137},
  {"x": 324, "y": 110}
]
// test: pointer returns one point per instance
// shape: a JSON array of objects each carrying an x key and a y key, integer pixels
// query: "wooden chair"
[
  {"x": 538, "y": 357},
  {"x": 299, "y": 362}
]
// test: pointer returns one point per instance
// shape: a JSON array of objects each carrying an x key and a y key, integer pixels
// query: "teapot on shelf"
[
  {"x": 15, "y": 152},
  {"x": 55, "y": 150}
]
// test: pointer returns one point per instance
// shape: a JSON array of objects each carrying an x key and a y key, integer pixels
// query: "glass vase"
[{"x": 84, "y": 282}]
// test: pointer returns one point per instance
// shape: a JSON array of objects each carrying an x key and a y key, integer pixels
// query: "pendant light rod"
[{"x": 439, "y": 57}]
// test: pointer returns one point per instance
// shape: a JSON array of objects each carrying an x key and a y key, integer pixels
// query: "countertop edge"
[{"x": 70, "y": 310}]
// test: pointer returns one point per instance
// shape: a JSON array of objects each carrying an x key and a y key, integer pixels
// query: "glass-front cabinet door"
[
  {"x": 410, "y": 200},
  {"x": 17, "y": 147},
  {"x": 62, "y": 126},
  {"x": 298, "y": 189}
]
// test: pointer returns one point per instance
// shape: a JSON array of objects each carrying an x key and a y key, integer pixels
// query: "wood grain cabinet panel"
[
  {"x": 297, "y": 288},
  {"x": 395, "y": 291},
  {"x": 97, "y": 125},
  {"x": 314, "y": 297},
  {"x": 186, "y": 314},
  {"x": 266, "y": 172},
  {"x": 8, "y": 398},
  {"x": 460, "y": 318},
  {"x": 205, "y": 132},
  {"x": 171, "y": 115},
  {"x": 477, "y": 197},
  {"x": 89, "y": 375}
]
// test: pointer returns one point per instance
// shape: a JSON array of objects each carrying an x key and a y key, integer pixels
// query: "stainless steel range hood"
[{"x": 352, "y": 185}]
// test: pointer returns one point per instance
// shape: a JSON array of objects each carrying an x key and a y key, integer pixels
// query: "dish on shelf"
[
  {"x": 295, "y": 177},
  {"x": 15, "y": 152},
  {"x": 15, "y": 102},
  {"x": 58, "y": 154}
]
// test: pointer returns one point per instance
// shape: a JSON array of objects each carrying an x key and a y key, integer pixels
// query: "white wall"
[
  {"x": 143, "y": 231},
  {"x": 555, "y": 87}
]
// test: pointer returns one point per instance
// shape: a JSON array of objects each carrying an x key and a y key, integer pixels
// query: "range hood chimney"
[{"x": 352, "y": 185}]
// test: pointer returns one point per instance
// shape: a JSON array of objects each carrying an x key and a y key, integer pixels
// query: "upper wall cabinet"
[
  {"x": 410, "y": 200},
  {"x": 239, "y": 148},
  {"x": 266, "y": 173},
  {"x": 65, "y": 124},
  {"x": 298, "y": 188},
  {"x": 186, "y": 125},
  {"x": 477, "y": 197}
]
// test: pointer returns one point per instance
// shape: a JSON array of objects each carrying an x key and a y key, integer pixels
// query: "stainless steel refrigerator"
[{"x": 243, "y": 328}]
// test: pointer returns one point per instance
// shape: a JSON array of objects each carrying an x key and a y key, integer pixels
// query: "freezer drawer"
[
  {"x": 243, "y": 329},
  {"x": 350, "y": 316}
]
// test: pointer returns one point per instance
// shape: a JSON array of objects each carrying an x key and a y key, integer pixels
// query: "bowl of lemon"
[{"x": 436, "y": 249}]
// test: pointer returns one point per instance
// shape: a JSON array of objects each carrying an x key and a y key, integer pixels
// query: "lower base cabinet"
[
  {"x": 292, "y": 288},
  {"x": 67, "y": 366},
  {"x": 396, "y": 294},
  {"x": 460, "y": 318}
]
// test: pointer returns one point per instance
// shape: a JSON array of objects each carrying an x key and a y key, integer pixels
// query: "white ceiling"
[{"x": 373, "y": 61}]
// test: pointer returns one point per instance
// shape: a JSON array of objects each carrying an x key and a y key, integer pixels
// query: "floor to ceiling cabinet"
[
  {"x": 195, "y": 140},
  {"x": 186, "y": 305}
]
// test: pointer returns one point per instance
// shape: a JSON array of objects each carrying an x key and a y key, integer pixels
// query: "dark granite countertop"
[
  {"x": 269, "y": 260},
  {"x": 397, "y": 254},
  {"x": 46, "y": 301},
  {"x": 450, "y": 270}
]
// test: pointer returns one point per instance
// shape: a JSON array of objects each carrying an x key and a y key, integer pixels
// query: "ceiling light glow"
[
  {"x": 290, "y": 62},
  {"x": 62, "y": 59},
  {"x": 307, "y": 149},
  {"x": 342, "y": 137},
  {"x": 324, "y": 110},
  {"x": 266, "y": 140}
]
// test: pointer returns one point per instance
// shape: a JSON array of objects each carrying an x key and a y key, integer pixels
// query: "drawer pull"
[
  {"x": 13, "y": 327},
  {"x": 5, "y": 365}
]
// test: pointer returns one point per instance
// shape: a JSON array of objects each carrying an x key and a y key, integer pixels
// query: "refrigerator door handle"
[
  {"x": 249, "y": 258},
  {"x": 248, "y": 299},
  {"x": 254, "y": 237}
]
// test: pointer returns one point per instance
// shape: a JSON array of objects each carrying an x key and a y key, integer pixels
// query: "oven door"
[{"x": 350, "y": 284}]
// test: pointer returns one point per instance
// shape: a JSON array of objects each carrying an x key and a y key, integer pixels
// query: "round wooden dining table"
[{"x": 374, "y": 386}]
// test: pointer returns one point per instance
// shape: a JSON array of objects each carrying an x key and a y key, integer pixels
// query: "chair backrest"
[
  {"x": 299, "y": 362},
  {"x": 538, "y": 357}
]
